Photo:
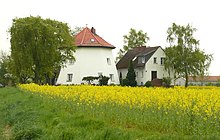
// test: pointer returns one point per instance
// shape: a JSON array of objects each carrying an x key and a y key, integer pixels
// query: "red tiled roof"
[
  {"x": 204, "y": 79},
  {"x": 89, "y": 38}
]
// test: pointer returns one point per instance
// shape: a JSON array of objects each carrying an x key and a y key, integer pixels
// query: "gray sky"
[{"x": 114, "y": 18}]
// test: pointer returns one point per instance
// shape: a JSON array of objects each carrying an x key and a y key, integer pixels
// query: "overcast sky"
[{"x": 114, "y": 18}]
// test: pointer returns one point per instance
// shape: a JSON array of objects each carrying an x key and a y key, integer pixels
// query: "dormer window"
[
  {"x": 92, "y": 40},
  {"x": 141, "y": 60}
]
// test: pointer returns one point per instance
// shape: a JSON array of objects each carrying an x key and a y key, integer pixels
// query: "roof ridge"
[
  {"x": 94, "y": 37},
  {"x": 87, "y": 38},
  {"x": 83, "y": 35}
]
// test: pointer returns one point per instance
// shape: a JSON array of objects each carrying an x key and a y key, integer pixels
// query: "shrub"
[
  {"x": 125, "y": 82},
  {"x": 89, "y": 79},
  {"x": 166, "y": 81},
  {"x": 103, "y": 80},
  {"x": 148, "y": 84}
]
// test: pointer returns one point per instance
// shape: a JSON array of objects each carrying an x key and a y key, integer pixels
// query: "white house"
[
  {"x": 93, "y": 58},
  {"x": 148, "y": 64}
]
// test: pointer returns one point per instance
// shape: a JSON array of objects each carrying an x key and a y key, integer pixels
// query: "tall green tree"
[
  {"x": 183, "y": 56},
  {"x": 132, "y": 40},
  {"x": 39, "y": 47},
  {"x": 131, "y": 76}
]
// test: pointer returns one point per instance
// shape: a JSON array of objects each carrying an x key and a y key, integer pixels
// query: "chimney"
[{"x": 93, "y": 30}]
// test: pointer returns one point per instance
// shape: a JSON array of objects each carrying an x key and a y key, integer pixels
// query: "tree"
[
  {"x": 183, "y": 55},
  {"x": 131, "y": 77},
  {"x": 76, "y": 30},
  {"x": 132, "y": 40},
  {"x": 6, "y": 78},
  {"x": 120, "y": 78},
  {"x": 39, "y": 47}
]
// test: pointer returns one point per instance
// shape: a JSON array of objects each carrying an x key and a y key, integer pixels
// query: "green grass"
[{"x": 25, "y": 116}]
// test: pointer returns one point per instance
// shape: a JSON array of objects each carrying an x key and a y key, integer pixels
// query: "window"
[
  {"x": 92, "y": 40},
  {"x": 142, "y": 74},
  {"x": 112, "y": 77},
  {"x": 108, "y": 61},
  {"x": 136, "y": 74},
  {"x": 141, "y": 59},
  {"x": 155, "y": 60},
  {"x": 162, "y": 60},
  {"x": 69, "y": 77}
]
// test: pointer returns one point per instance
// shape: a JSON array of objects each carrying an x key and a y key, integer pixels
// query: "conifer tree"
[{"x": 131, "y": 77}]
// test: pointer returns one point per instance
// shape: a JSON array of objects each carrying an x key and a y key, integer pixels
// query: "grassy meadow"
[{"x": 109, "y": 112}]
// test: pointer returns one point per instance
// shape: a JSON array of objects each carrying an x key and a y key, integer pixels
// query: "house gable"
[
  {"x": 134, "y": 55},
  {"x": 143, "y": 60}
]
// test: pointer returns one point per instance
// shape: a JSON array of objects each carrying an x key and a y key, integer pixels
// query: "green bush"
[
  {"x": 90, "y": 79},
  {"x": 218, "y": 84},
  {"x": 148, "y": 84},
  {"x": 103, "y": 80},
  {"x": 125, "y": 82},
  {"x": 166, "y": 81}
]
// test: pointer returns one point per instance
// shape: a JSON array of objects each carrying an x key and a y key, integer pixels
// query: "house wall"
[
  {"x": 89, "y": 62},
  {"x": 143, "y": 74},
  {"x": 200, "y": 83},
  {"x": 151, "y": 66},
  {"x": 180, "y": 82},
  {"x": 123, "y": 72},
  {"x": 140, "y": 76}
]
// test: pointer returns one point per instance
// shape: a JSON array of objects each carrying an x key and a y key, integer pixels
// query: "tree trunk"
[
  {"x": 186, "y": 83},
  {"x": 36, "y": 78}
]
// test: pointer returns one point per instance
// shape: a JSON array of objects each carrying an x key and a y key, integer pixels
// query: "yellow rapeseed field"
[{"x": 201, "y": 101}]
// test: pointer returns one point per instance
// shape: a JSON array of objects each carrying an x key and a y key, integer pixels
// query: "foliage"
[
  {"x": 218, "y": 84},
  {"x": 120, "y": 78},
  {"x": 148, "y": 84},
  {"x": 183, "y": 56},
  {"x": 158, "y": 112},
  {"x": 6, "y": 78},
  {"x": 166, "y": 81},
  {"x": 90, "y": 79},
  {"x": 131, "y": 76},
  {"x": 125, "y": 82},
  {"x": 103, "y": 80},
  {"x": 76, "y": 30},
  {"x": 39, "y": 47},
  {"x": 132, "y": 40}
]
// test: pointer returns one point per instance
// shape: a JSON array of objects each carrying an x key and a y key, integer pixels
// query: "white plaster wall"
[
  {"x": 141, "y": 78},
  {"x": 180, "y": 82},
  {"x": 123, "y": 72},
  {"x": 150, "y": 66},
  {"x": 89, "y": 62}
]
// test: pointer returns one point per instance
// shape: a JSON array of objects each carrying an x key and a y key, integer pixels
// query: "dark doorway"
[{"x": 153, "y": 75}]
